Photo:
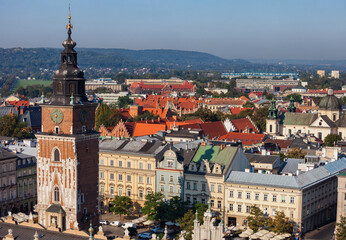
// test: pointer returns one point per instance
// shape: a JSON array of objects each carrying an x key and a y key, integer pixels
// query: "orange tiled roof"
[
  {"x": 237, "y": 110},
  {"x": 19, "y": 103},
  {"x": 244, "y": 125},
  {"x": 142, "y": 129},
  {"x": 245, "y": 138}
]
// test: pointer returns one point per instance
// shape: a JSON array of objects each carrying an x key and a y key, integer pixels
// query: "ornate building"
[{"x": 67, "y": 158}]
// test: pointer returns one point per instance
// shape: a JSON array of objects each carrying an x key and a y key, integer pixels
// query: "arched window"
[
  {"x": 56, "y": 155},
  {"x": 56, "y": 194},
  {"x": 72, "y": 88},
  {"x": 59, "y": 87}
]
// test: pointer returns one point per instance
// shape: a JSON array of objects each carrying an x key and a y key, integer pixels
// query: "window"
[
  {"x": 128, "y": 192},
  {"x": 149, "y": 166},
  {"x": 140, "y": 179},
  {"x": 171, "y": 178},
  {"x": 120, "y": 177},
  {"x": 112, "y": 163},
  {"x": 111, "y": 190},
  {"x": 111, "y": 176},
  {"x": 231, "y": 194},
  {"x": 212, "y": 188},
  {"x": 239, "y": 194},
  {"x": 56, "y": 155},
  {"x": 188, "y": 199},
  {"x": 231, "y": 207},
  {"x": 102, "y": 162},
  {"x": 56, "y": 130},
  {"x": 120, "y": 163},
  {"x": 239, "y": 208},
  {"x": 140, "y": 165},
  {"x": 171, "y": 189},
  {"x": 283, "y": 199},
  {"x": 248, "y": 195},
  {"x": 219, "y": 204},
  {"x": 56, "y": 194},
  {"x": 162, "y": 178},
  {"x": 128, "y": 178},
  {"x": 129, "y": 164},
  {"x": 102, "y": 188},
  {"x": 265, "y": 211},
  {"x": 195, "y": 186},
  {"x": 274, "y": 198},
  {"x": 271, "y": 128},
  {"x": 273, "y": 212},
  {"x": 140, "y": 193},
  {"x": 59, "y": 88},
  {"x": 148, "y": 180},
  {"x": 170, "y": 163},
  {"x": 248, "y": 209},
  {"x": 212, "y": 203},
  {"x": 148, "y": 192},
  {"x": 219, "y": 189},
  {"x": 257, "y": 196},
  {"x": 188, "y": 185},
  {"x": 203, "y": 187},
  {"x": 162, "y": 188},
  {"x": 102, "y": 175},
  {"x": 265, "y": 197}
]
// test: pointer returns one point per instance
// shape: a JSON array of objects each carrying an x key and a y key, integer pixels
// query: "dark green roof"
[
  {"x": 206, "y": 152},
  {"x": 342, "y": 173},
  {"x": 291, "y": 118}
]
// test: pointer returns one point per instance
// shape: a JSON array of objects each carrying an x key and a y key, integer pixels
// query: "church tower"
[
  {"x": 272, "y": 122},
  {"x": 291, "y": 107},
  {"x": 67, "y": 156}
]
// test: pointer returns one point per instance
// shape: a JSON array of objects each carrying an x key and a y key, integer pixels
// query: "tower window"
[
  {"x": 271, "y": 128},
  {"x": 84, "y": 129},
  {"x": 56, "y": 194},
  {"x": 56, "y": 155},
  {"x": 56, "y": 130},
  {"x": 59, "y": 87},
  {"x": 72, "y": 88}
]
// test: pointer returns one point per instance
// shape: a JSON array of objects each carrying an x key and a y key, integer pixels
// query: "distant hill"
[{"x": 31, "y": 59}]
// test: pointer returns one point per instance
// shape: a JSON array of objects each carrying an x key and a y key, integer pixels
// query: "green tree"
[
  {"x": 296, "y": 97},
  {"x": 175, "y": 209},
  {"x": 186, "y": 224},
  {"x": 341, "y": 229},
  {"x": 259, "y": 117},
  {"x": 11, "y": 126},
  {"x": 123, "y": 102},
  {"x": 122, "y": 205},
  {"x": 331, "y": 139},
  {"x": 280, "y": 223},
  {"x": 296, "y": 153},
  {"x": 249, "y": 105},
  {"x": 256, "y": 219},
  {"x": 152, "y": 204},
  {"x": 201, "y": 208},
  {"x": 102, "y": 113}
]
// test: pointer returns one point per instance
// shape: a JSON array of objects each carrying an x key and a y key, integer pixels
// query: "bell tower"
[
  {"x": 272, "y": 122},
  {"x": 67, "y": 156}
]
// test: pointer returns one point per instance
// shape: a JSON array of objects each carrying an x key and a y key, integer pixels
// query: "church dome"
[{"x": 330, "y": 102}]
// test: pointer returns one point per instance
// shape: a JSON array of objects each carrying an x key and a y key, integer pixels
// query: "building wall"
[
  {"x": 239, "y": 198},
  {"x": 341, "y": 199},
  {"x": 126, "y": 175},
  {"x": 8, "y": 185}
]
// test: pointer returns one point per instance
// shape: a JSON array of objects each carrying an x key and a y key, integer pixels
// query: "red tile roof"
[
  {"x": 212, "y": 129},
  {"x": 237, "y": 110},
  {"x": 142, "y": 129},
  {"x": 247, "y": 139},
  {"x": 281, "y": 143},
  {"x": 244, "y": 125},
  {"x": 19, "y": 103}
]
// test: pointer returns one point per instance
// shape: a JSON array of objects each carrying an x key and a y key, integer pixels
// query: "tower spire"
[{"x": 69, "y": 25}]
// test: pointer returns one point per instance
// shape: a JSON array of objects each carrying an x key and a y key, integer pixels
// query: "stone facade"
[{"x": 341, "y": 208}]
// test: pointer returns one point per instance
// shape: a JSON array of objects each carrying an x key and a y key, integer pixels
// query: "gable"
[{"x": 323, "y": 121}]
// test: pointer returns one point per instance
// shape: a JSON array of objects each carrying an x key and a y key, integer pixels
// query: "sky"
[{"x": 246, "y": 29}]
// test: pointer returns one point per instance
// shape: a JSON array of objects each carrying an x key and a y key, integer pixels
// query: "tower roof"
[{"x": 330, "y": 102}]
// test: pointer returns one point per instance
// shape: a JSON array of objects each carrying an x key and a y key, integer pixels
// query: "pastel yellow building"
[{"x": 127, "y": 168}]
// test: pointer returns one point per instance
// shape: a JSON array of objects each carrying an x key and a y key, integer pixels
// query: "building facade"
[
  {"x": 8, "y": 185},
  {"x": 341, "y": 208},
  {"x": 127, "y": 168},
  {"x": 26, "y": 182},
  {"x": 67, "y": 155}
]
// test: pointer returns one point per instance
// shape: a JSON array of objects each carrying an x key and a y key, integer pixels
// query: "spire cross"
[{"x": 69, "y": 25}]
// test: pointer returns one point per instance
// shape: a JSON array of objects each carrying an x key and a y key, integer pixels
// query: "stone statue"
[
  {"x": 75, "y": 225},
  {"x": 126, "y": 232},
  {"x": 9, "y": 213},
  {"x": 100, "y": 229},
  {"x": 31, "y": 217},
  {"x": 10, "y": 231},
  {"x": 36, "y": 236}
]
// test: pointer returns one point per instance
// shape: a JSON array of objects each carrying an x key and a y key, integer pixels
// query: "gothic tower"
[
  {"x": 67, "y": 157},
  {"x": 291, "y": 107}
]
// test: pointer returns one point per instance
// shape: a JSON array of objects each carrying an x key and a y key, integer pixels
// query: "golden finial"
[{"x": 69, "y": 25}]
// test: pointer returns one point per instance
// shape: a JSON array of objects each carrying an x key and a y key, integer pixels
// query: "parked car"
[
  {"x": 157, "y": 229},
  {"x": 128, "y": 225},
  {"x": 104, "y": 222},
  {"x": 145, "y": 235},
  {"x": 116, "y": 223}
]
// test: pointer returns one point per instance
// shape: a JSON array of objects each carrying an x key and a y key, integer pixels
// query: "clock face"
[
  {"x": 83, "y": 116},
  {"x": 57, "y": 116}
]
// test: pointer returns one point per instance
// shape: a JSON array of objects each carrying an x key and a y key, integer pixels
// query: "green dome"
[{"x": 330, "y": 102}]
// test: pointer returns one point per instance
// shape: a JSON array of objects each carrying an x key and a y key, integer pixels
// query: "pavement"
[{"x": 323, "y": 233}]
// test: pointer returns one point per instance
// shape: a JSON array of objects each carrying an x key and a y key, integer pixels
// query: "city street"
[{"x": 323, "y": 233}]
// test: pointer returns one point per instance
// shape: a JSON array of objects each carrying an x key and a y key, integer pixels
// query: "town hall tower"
[{"x": 67, "y": 157}]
